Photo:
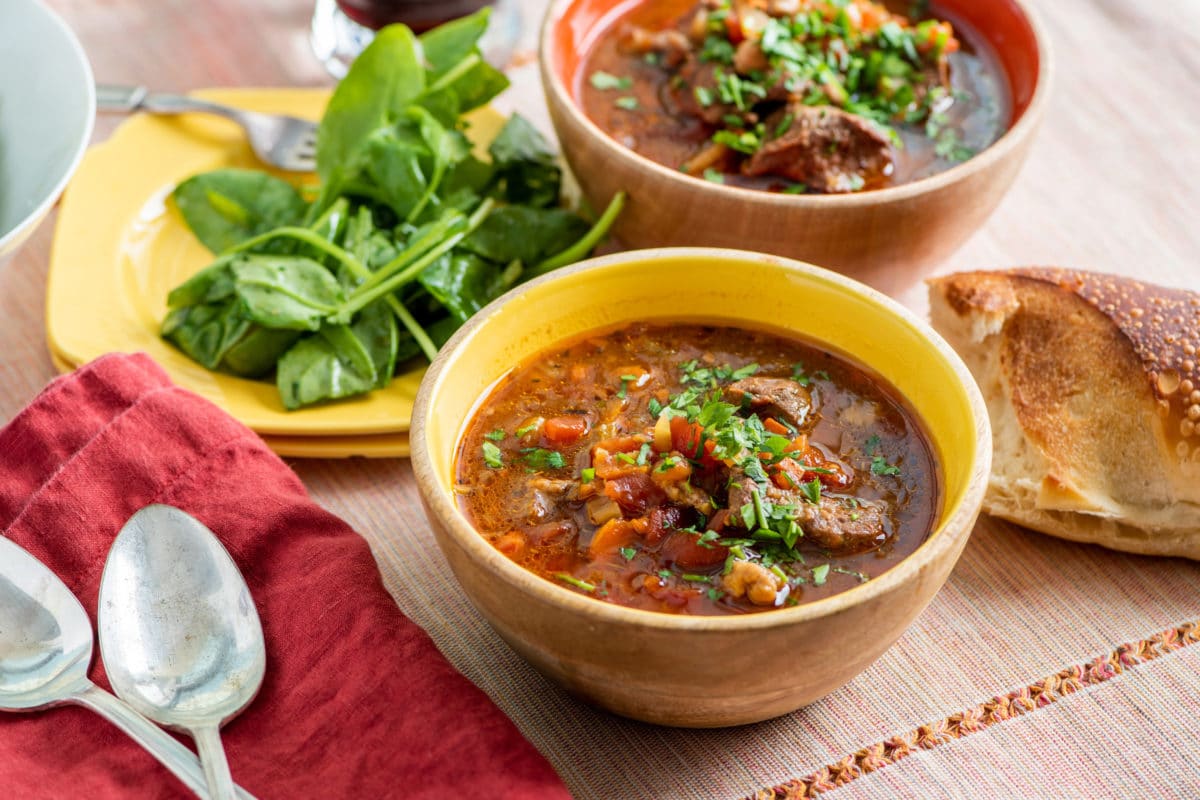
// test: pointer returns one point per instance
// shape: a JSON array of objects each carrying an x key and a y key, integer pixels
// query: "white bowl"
[{"x": 47, "y": 107}]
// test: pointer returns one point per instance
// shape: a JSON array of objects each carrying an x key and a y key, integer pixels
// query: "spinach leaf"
[
  {"x": 255, "y": 354},
  {"x": 529, "y": 173},
  {"x": 285, "y": 291},
  {"x": 228, "y": 206},
  {"x": 459, "y": 78},
  {"x": 528, "y": 235},
  {"x": 207, "y": 331},
  {"x": 341, "y": 361},
  {"x": 384, "y": 80},
  {"x": 464, "y": 283},
  {"x": 212, "y": 284}
]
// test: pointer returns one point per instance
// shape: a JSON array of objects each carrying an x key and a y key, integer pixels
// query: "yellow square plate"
[
  {"x": 118, "y": 250},
  {"x": 379, "y": 445}
]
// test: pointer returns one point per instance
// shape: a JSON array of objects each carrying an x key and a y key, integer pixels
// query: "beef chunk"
[
  {"x": 837, "y": 524},
  {"x": 842, "y": 527},
  {"x": 696, "y": 95},
  {"x": 781, "y": 398},
  {"x": 825, "y": 148},
  {"x": 672, "y": 45}
]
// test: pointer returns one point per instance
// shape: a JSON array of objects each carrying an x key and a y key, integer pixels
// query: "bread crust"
[{"x": 1093, "y": 387}]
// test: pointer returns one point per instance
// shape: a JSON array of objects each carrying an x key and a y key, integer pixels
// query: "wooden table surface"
[{"x": 1112, "y": 185}]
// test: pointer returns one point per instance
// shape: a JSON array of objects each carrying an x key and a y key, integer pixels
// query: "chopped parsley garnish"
[
  {"x": 492, "y": 456},
  {"x": 528, "y": 429},
  {"x": 862, "y": 576},
  {"x": 654, "y": 407},
  {"x": 643, "y": 454},
  {"x": 582, "y": 585},
  {"x": 812, "y": 491},
  {"x": 693, "y": 578},
  {"x": 629, "y": 103},
  {"x": 604, "y": 81},
  {"x": 538, "y": 458},
  {"x": 714, "y": 594},
  {"x": 587, "y": 475},
  {"x": 625, "y": 381},
  {"x": 496, "y": 435},
  {"x": 879, "y": 466},
  {"x": 628, "y": 553},
  {"x": 714, "y": 176},
  {"x": 819, "y": 574}
]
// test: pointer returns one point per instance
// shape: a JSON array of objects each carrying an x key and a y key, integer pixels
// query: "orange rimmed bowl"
[
  {"x": 871, "y": 235},
  {"x": 701, "y": 671}
]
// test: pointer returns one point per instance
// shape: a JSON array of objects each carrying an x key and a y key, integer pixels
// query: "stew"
[
  {"x": 697, "y": 469},
  {"x": 795, "y": 96}
]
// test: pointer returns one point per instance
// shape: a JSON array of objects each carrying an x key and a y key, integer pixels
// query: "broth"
[
  {"x": 644, "y": 103},
  {"x": 697, "y": 469}
]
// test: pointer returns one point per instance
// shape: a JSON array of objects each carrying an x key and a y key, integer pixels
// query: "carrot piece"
[
  {"x": 565, "y": 430},
  {"x": 611, "y": 536},
  {"x": 776, "y": 427}
]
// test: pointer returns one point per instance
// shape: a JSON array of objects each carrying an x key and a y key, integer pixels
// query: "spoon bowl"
[
  {"x": 180, "y": 638},
  {"x": 45, "y": 635},
  {"x": 45, "y": 649}
]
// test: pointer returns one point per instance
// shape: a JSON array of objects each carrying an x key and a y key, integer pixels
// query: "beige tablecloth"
[{"x": 1043, "y": 669}]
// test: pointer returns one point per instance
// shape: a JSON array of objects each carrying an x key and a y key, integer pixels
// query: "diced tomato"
[
  {"x": 790, "y": 473},
  {"x": 611, "y": 537},
  {"x": 672, "y": 595},
  {"x": 565, "y": 430},
  {"x": 733, "y": 24},
  {"x": 686, "y": 438},
  {"x": 719, "y": 520},
  {"x": 662, "y": 521},
  {"x": 512, "y": 544},
  {"x": 685, "y": 550},
  {"x": 634, "y": 493}
]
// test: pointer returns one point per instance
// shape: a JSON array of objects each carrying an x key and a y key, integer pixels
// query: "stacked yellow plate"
[{"x": 119, "y": 250}]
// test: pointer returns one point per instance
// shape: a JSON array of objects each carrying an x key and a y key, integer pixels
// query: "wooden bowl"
[
  {"x": 870, "y": 235},
  {"x": 701, "y": 671}
]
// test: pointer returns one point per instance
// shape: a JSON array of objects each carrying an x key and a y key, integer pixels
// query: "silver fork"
[{"x": 288, "y": 143}]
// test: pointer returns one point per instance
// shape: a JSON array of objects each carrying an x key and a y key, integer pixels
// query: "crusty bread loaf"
[{"x": 1093, "y": 387}]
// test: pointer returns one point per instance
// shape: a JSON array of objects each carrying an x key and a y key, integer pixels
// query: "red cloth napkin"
[{"x": 357, "y": 701}]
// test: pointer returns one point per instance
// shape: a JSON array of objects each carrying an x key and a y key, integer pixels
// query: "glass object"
[{"x": 342, "y": 28}]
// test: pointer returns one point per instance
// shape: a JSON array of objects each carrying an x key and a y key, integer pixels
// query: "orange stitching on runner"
[{"x": 998, "y": 709}]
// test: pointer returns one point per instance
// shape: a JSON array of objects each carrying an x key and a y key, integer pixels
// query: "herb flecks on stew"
[
  {"x": 820, "y": 96},
  {"x": 700, "y": 470}
]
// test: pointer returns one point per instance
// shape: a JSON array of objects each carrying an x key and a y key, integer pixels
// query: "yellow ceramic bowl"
[
  {"x": 701, "y": 671},
  {"x": 885, "y": 237}
]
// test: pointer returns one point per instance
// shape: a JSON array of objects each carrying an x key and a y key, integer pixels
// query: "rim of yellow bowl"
[{"x": 955, "y": 522}]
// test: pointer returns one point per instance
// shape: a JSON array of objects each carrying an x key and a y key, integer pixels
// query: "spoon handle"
[
  {"x": 182, "y": 763},
  {"x": 212, "y": 758}
]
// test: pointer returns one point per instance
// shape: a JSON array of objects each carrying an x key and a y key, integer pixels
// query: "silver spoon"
[
  {"x": 179, "y": 635},
  {"x": 45, "y": 649}
]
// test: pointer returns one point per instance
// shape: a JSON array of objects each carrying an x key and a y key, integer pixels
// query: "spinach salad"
[{"x": 405, "y": 236}]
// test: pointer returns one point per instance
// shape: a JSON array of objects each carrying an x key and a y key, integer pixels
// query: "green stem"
[
  {"x": 454, "y": 73},
  {"x": 361, "y": 299},
  {"x": 308, "y": 237},
  {"x": 415, "y": 250},
  {"x": 340, "y": 206},
  {"x": 589, "y": 241},
  {"x": 414, "y": 328}
]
